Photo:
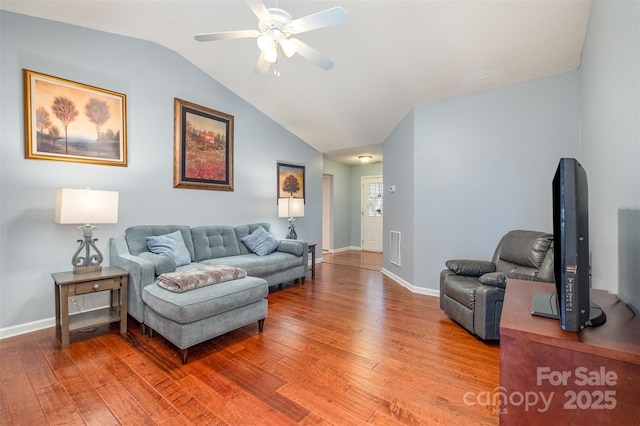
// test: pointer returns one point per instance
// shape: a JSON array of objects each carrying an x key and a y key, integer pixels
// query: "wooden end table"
[
  {"x": 312, "y": 251},
  {"x": 68, "y": 284}
]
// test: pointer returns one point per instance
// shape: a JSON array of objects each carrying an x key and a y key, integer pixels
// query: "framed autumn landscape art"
[
  {"x": 203, "y": 148},
  {"x": 290, "y": 181},
  {"x": 69, "y": 121}
]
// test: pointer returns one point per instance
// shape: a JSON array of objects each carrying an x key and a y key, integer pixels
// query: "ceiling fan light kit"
[{"x": 276, "y": 26}]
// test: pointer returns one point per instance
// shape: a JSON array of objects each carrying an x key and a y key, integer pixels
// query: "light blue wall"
[
  {"x": 32, "y": 246},
  {"x": 484, "y": 162},
  {"x": 610, "y": 149},
  {"x": 487, "y": 161},
  {"x": 341, "y": 206},
  {"x": 399, "y": 211},
  {"x": 483, "y": 165}
]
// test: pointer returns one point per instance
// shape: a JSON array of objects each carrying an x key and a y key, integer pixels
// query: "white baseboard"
[
  {"x": 339, "y": 250},
  {"x": 28, "y": 327},
  {"x": 412, "y": 288}
]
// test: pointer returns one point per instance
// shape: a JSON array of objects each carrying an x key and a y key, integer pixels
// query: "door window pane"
[{"x": 375, "y": 200}]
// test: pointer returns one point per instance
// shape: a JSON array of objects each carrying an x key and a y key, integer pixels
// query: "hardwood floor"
[
  {"x": 355, "y": 259},
  {"x": 346, "y": 348}
]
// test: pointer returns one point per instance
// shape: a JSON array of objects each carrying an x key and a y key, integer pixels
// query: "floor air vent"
[{"x": 395, "y": 248}]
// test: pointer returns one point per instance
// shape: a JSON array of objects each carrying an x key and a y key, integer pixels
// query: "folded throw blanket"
[{"x": 199, "y": 277}]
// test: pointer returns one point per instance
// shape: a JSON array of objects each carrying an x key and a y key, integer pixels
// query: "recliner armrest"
[
  {"x": 487, "y": 312},
  {"x": 526, "y": 277},
  {"x": 471, "y": 268}
]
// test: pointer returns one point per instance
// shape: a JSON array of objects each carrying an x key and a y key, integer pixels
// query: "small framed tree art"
[
  {"x": 290, "y": 181},
  {"x": 203, "y": 147},
  {"x": 69, "y": 121}
]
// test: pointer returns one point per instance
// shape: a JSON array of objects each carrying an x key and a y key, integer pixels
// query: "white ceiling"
[{"x": 389, "y": 56}]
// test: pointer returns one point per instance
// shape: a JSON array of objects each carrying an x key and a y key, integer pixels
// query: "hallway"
[{"x": 355, "y": 258}]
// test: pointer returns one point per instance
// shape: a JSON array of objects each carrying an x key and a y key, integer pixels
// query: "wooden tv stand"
[{"x": 551, "y": 376}]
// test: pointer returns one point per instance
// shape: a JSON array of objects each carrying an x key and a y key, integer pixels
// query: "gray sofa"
[
  {"x": 207, "y": 245},
  {"x": 472, "y": 291}
]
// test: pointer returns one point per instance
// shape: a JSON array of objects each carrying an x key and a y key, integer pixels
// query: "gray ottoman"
[{"x": 194, "y": 316}]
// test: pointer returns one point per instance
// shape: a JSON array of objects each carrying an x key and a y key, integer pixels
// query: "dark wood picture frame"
[
  {"x": 69, "y": 121},
  {"x": 203, "y": 147},
  {"x": 291, "y": 181}
]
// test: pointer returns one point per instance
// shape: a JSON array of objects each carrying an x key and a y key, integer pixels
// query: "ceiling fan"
[{"x": 275, "y": 28}]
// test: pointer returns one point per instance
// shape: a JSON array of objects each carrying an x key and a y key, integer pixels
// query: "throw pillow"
[
  {"x": 171, "y": 245},
  {"x": 260, "y": 242},
  {"x": 495, "y": 279},
  {"x": 472, "y": 268}
]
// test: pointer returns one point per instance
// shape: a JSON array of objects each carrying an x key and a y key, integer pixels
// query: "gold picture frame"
[
  {"x": 203, "y": 147},
  {"x": 69, "y": 121}
]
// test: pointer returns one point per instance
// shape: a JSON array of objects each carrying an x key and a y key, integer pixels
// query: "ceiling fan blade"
[
  {"x": 312, "y": 54},
  {"x": 262, "y": 67},
  {"x": 226, "y": 35},
  {"x": 326, "y": 18},
  {"x": 258, "y": 9}
]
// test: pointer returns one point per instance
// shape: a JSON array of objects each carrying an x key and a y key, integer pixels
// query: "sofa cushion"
[
  {"x": 462, "y": 289},
  {"x": 206, "y": 301},
  {"x": 259, "y": 266},
  {"x": 211, "y": 242},
  {"x": 260, "y": 242},
  {"x": 171, "y": 245},
  {"x": 136, "y": 237},
  {"x": 512, "y": 268},
  {"x": 473, "y": 268}
]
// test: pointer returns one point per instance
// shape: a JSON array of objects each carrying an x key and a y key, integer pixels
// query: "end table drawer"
[{"x": 99, "y": 285}]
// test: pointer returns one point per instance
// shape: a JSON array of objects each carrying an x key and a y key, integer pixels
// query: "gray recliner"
[{"x": 472, "y": 291}]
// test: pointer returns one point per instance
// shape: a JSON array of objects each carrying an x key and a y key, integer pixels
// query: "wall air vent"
[{"x": 395, "y": 248}]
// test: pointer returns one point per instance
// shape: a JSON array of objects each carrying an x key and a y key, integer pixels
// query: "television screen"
[
  {"x": 571, "y": 243},
  {"x": 571, "y": 303}
]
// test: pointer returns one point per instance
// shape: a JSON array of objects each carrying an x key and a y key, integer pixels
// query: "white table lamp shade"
[
  {"x": 86, "y": 206},
  {"x": 291, "y": 207}
]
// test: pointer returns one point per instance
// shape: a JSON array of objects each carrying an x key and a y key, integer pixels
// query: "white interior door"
[{"x": 372, "y": 213}]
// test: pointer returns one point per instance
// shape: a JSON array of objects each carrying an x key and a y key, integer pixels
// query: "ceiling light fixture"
[
  {"x": 275, "y": 27},
  {"x": 271, "y": 54},
  {"x": 365, "y": 158}
]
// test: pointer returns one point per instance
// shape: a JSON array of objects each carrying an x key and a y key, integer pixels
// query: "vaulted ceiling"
[{"x": 389, "y": 55}]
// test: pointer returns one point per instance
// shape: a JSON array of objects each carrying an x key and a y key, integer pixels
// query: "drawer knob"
[{"x": 96, "y": 286}]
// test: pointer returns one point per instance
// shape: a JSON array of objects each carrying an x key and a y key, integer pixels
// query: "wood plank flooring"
[
  {"x": 349, "y": 347},
  {"x": 355, "y": 259}
]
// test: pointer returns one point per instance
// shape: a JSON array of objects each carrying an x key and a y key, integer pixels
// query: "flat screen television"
[{"x": 571, "y": 304}]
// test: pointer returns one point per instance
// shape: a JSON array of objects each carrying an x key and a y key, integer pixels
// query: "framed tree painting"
[
  {"x": 69, "y": 121},
  {"x": 290, "y": 181},
  {"x": 203, "y": 147}
]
